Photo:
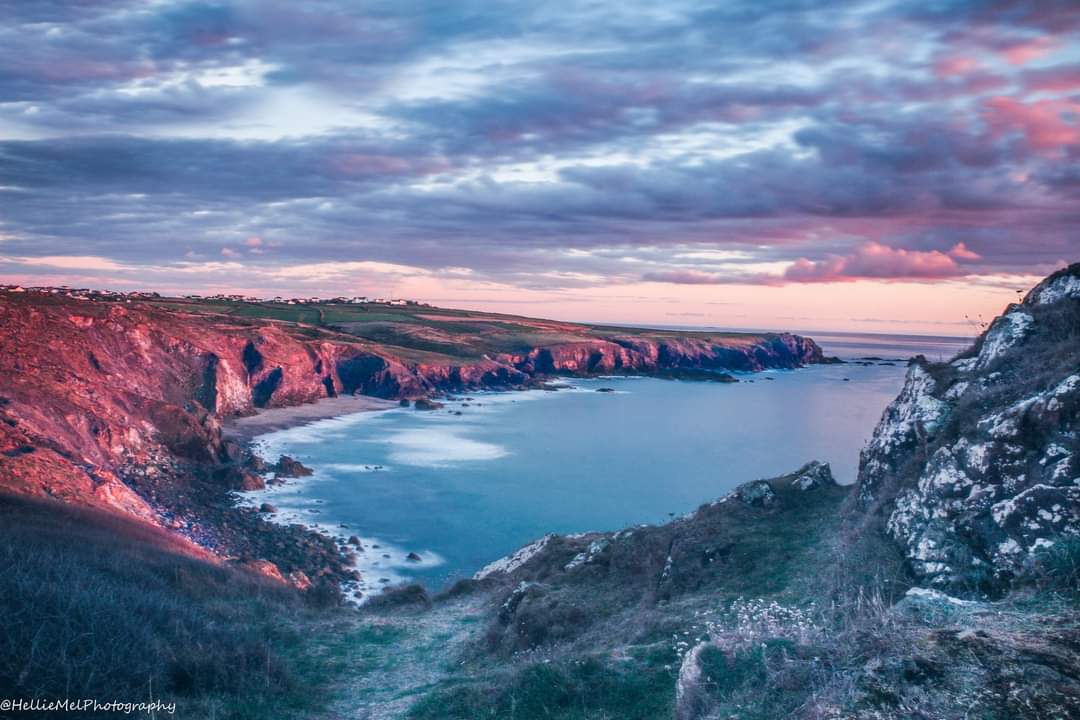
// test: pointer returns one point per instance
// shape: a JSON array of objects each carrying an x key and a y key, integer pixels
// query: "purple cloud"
[{"x": 859, "y": 140}]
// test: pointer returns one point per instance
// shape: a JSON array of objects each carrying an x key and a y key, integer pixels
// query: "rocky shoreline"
[{"x": 144, "y": 408}]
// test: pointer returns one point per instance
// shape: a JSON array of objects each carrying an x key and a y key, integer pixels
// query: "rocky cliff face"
[
  {"x": 621, "y": 354},
  {"x": 974, "y": 468},
  {"x": 101, "y": 400}
]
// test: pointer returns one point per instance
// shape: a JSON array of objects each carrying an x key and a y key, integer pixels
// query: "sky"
[{"x": 876, "y": 165}]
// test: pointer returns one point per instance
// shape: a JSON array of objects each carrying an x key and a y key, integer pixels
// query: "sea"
[{"x": 435, "y": 496}]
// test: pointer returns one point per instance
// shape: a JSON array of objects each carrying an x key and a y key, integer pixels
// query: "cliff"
[
  {"x": 973, "y": 470},
  {"x": 119, "y": 404}
]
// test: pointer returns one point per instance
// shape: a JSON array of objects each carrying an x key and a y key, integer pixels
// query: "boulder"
[
  {"x": 251, "y": 481},
  {"x": 427, "y": 404},
  {"x": 757, "y": 493},
  {"x": 299, "y": 580},
  {"x": 255, "y": 463},
  {"x": 288, "y": 467},
  {"x": 813, "y": 475}
]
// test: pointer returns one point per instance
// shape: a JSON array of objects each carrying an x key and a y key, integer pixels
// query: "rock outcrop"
[
  {"x": 627, "y": 353},
  {"x": 974, "y": 468}
]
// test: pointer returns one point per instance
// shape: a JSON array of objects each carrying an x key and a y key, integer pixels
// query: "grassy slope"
[
  {"x": 96, "y": 606},
  {"x": 621, "y": 661},
  {"x": 456, "y": 334}
]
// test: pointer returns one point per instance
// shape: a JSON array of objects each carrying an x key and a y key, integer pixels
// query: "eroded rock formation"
[{"x": 974, "y": 468}]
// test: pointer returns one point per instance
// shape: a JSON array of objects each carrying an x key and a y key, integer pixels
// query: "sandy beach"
[{"x": 270, "y": 419}]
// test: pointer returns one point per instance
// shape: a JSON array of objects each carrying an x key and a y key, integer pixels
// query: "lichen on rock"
[{"x": 971, "y": 482}]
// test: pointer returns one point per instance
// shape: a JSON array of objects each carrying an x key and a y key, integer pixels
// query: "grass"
[
  {"x": 1057, "y": 568},
  {"x": 102, "y": 607},
  {"x": 604, "y": 640},
  {"x": 590, "y": 688},
  {"x": 456, "y": 334}
]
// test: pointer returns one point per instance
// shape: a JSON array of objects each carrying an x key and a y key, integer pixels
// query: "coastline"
[
  {"x": 267, "y": 420},
  {"x": 375, "y": 560},
  {"x": 312, "y": 501}
]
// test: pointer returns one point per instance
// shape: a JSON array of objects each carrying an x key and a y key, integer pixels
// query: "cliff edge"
[{"x": 974, "y": 469}]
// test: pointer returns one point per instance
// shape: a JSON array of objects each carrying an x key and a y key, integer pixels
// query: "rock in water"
[
  {"x": 288, "y": 467},
  {"x": 427, "y": 404},
  {"x": 251, "y": 481}
]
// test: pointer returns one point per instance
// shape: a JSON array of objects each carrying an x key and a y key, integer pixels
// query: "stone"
[
  {"x": 814, "y": 475},
  {"x": 757, "y": 493},
  {"x": 291, "y": 468},
  {"x": 976, "y": 458}
]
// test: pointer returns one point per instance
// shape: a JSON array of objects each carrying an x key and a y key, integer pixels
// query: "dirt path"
[{"x": 397, "y": 657}]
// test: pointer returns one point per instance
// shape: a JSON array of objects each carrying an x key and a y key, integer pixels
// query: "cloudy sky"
[{"x": 876, "y": 165}]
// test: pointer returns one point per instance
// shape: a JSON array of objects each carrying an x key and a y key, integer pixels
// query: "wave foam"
[{"x": 435, "y": 447}]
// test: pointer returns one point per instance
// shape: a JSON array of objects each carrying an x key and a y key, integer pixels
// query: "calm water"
[{"x": 464, "y": 490}]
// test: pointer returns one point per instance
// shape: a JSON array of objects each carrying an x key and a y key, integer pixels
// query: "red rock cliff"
[{"x": 93, "y": 391}]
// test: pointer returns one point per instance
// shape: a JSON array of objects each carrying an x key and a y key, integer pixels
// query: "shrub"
[{"x": 1058, "y": 567}]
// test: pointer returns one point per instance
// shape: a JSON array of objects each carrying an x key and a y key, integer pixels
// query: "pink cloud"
[
  {"x": 1046, "y": 124},
  {"x": 1024, "y": 51},
  {"x": 955, "y": 65},
  {"x": 874, "y": 260},
  {"x": 1063, "y": 78}
]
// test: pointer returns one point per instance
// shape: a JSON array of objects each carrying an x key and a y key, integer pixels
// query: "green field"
[{"x": 458, "y": 334}]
